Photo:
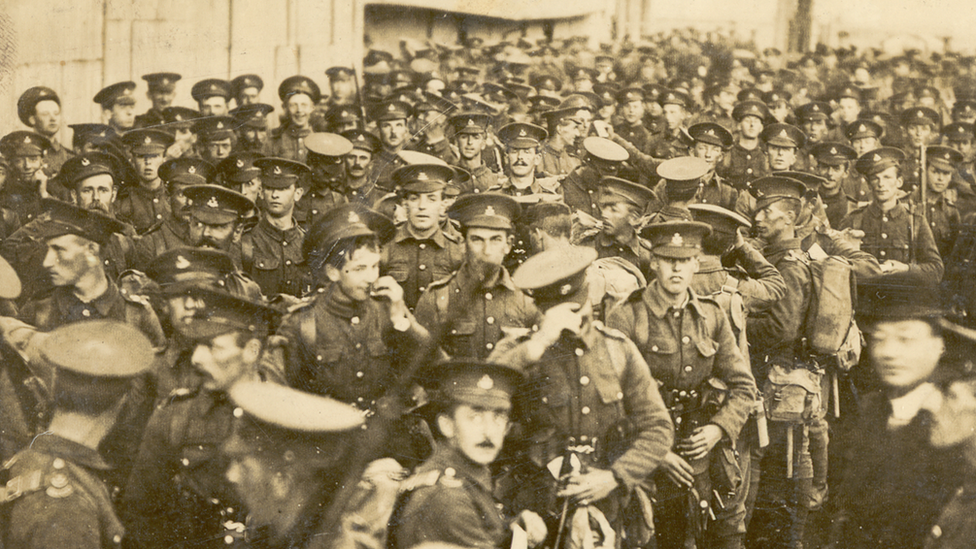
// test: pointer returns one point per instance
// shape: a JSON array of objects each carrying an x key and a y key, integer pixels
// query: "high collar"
[
  {"x": 103, "y": 303},
  {"x": 404, "y": 233},
  {"x": 446, "y": 457},
  {"x": 659, "y": 306}
]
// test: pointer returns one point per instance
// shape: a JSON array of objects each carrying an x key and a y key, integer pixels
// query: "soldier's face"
[
  {"x": 674, "y": 116},
  {"x": 69, "y": 258},
  {"x": 122, "y": 116},
  {"x": 709, "y": 153},
  {"x": 674, "y": 275},
  {"x": 217, "y": 237},
  {"x": 568, "y": 129},
  {"x": 772, "y": 220},
  {"x": 248, "y": 96},
  {"x": 780, "y": 111},
  {"x": 862, "y": 145},
  {"x": 424, "y": 209},
  {"x": 834, "y": 175},
  {"x": 953, "y": 414},
  {"x": 147, "y": 165},
  {"x": 476, "y": 431},
  {"x": 815, "y": 129},
  {"x": 183, "y": 308},
  {"x": 96, "y": 193},
  {"x": 965, "y": 146},
  {"x": 780, "y": 158},
  {"x": 251, "y": 189},
  {"x": 750, "y": 127},
  {"x": 939, "y": 178},
  {"x": 256, "y": 482},
  {"x": 281, "y": 202},
  {"x": 299, "y": 108},
  {"x": 47, "y": 118},
  {"x": 920, "y": 134},
  {"x": 185, "y": 137},
  {"x": 885, "y": 184},
  {"x": 522, "y": 162},
  {"x": 161, "y": 99},
  {"x": 357, "y": 276},
  {"x": 487, "y": 248},
  {"x": 849, "y": 109},
  {"x": 213, "y": 106},
  {"x": 393, "y": 132},
  {"x": 618, "y": 217},
  {"x": 222, "y": 360},
  {"x": 633, "y": 111},
  {"x": 218, "y": 150},
  {"x": 343, "y": 88},
  {"x": 904, "y": 352},
  {"x": 26, "y": 165},
  {"x": 357, "y": 163},
  {"x": 470, "y": 145},
  {"x": 725, "y": 99}
]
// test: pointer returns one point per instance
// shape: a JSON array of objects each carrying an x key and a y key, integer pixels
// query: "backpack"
[
  {"x": 793, "y": 395},
  {"x": 829, "y": 321}
]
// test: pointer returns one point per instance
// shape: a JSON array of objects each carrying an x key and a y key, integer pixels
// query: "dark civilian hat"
[
  {"x": 24, "y": 143},
  {"x": 116, "y": 94},
  {"x": 223, "y": 313},
  {"x": 299, "y": 84},
  {"x": 422, "y": 178},
  {"x": 187, "y": 171},
  {"x": 96, "y": 361},
  {"x": 683, "y": 173},
  {"x": 328, "y": 144},
  {"x": 774, "y": 97},
  {"x": 216, "y": 205},
  {"x": 164, "y": 82},
  {"x": 79, "y": 168},
  {"x": 749, "y": 94},
  {"x": 958, "y": 131},
  {"x": 628, "y": 95},
  {"x": 676, "y": 239},
  {"x": 604, "y": 149},
  {"x": 627, "y": 191},
  {"x": 879, "y": 160},
  {"x": 721, "y": 220},
  {"x": 244, "y": 81},
  {"x": 860, "y": 129},
  {"x": 363, "y": 140},
  {"x": 280, "y": 173},
  {"x": 712, "y": 133},
  {"x": 914, "y": 116},
  {"x": 520, "y": 135},
  {"x": 211, "y": 87},
  {"x": 743, "y": 109},
  {"x": 945, "y": 158},
  {"x": 469, "y": 122},
  {"x": 814, "y": 110},
  {"x": 91, "y": 133},
  {"x": 485, "y": 210},
  {"x": 30, "y": 98},
  {"x": 239, "y": 167},
  {"x": 898, "y": 296},
  {"x": 832, "y": 153},
  {"x": 254, "y": 115},
  {"x": 215, "y": 128},
  {"x": 556, "y": 275},
  {"x": 177, "y": 269},
  {"x": 9, "y": 281},
  {"x": 476, "y": 383},
  {"x": 62, "y": 218},
  {"x": 783, "y": 135},
  {"x": 674, "y": 97},
  {"x": 346, "y": 221},
  {"x": 147, "y": 141},
  {"x": 391, "y": 110},
  {"x": 279, "y": 424},
  {"x": 773, "y": 188}
]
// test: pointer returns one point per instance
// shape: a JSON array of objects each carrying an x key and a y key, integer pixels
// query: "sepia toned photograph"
[{"x": 487, "y": 274}]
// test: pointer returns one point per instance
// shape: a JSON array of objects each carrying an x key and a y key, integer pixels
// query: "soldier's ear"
[
  {"x": 446, "y": 425},
  {"x": 332, "y": 273},
  {"x": 32, "y": 120}
]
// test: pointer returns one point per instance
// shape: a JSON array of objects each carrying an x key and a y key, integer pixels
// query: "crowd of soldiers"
[{"x": 484, "y": 295}]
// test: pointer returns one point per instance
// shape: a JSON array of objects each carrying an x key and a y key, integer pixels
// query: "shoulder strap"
[
  {"x": 306, "y": 327},
  {"x": 247, "y": 253}
]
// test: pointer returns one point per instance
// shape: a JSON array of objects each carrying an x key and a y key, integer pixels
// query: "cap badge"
[
  {"x": 677, "y": 240},
  {"x": 784, "y": 134},
  {"x": 710, "y": 132},
  {"x": 181, "y": 263},
  {"x": 919, "y": 114},
  {"x": 422, "y": 176},
  {"x": 353, "y": 218},
  {"x": 391, "y": 108},
  {"x": 522, "y": 132},
  {"x": 277, "y": 170},
  {"x": 565, "y": 289},
  {"x": 179, "y": 118},
  {"x": 85, "y": 162},
  {"x": 212, "y": 202},
  {"x": 102, "y": 134},
  {"x": 27, "y": 139},
  {"x": 490, "y": 210},
  {"x": 833, "y": 150},
  {"x": 486, "y": 383},
  {"x": 148, "y": 140},
  {"x": 471, "y": 122},
  {"x": 240, "y": 163},
  {"x": 220, "y": 125},
  {"x": 191, "y": 169},
  {"x": 861, "y": 128}
]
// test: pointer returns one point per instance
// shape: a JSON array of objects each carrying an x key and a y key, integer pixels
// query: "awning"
[{"x": 515, "y": 10}]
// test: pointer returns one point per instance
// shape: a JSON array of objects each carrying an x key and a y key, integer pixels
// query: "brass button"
[
  {"x": 490, "y": 320},
  {"x": 488, "y": 296},
  {"x": 584, "y": 381},
  {"x": 423, "y": 246},
  {"x": 354, "y": 320},
  {"x": 686, "y": 339},
  {"x": 422, "y": 267},
  {"x": 585, "y": 410},
  {"x": 489, "y": 346},
  {"x": 360, "y": 374},
  {"x": 579, "y": 352},
  {"x": 687, "y": 368}
]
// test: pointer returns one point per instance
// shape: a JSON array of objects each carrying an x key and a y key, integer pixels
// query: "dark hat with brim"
[
  {"x": 147, "y": 141},
  {"x": 750, "y": 108},
  {"x": 254, "y": 116},
  {"x": 245, "y": 81},
  {"x": 117, "y": 94},
  {"x": 29, "y": 100},
  {"x": 783, "y": 135},
  {"x": 187, "y": 171},
  {"x": 223, "y": 313},
  {"x": 178, "y": 269},
  {"x": 832, "y": 153},
  {"x": 239, "y": 167},
  {"x": 211, "y": 87},
  {"x": 720, "y": 219},
  {"x": 485, "y": 210},
  {"x": 771, "y": 188},
  {"x": 945, "y": 158},
  {"x": 346, "y": 221},
  {"x": 556, "y": 275},
  {"x": 62, "y": 218},
  {"x": 216, "y": 205},
  {"x": 162, "y": 81},
  {"x": 879, "y": 160},
  {"x": 299, "y": 84},
  {"x": 521, "y": 135},
  {"x": 363, "y": 140},
  {"x": 79, "y": 168},
  {"x": 676, "y": 239},
  {"x": 479, "y": 384},
  {"x": 422, "y": 178},
  {"x": 620, "y": 189},
  {"x": 281, "y": 173},
  {"x": 711, "y": 133},
  {"x": 898, "y": 296},
  {"x": 24, "y": 143}
]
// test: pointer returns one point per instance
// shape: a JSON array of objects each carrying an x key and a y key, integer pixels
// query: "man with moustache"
[
  {"x": 359, "y": 164},
  {"x": 144, "y": 204},
  {"x": 216, "y": 217},
  {"x": 522, "y": 162},
  {"x": 174, "y": 229},
  {"x": 622, "y": 204},
  {"x": 26, "y": 183},
  {"x": 393, "y": 124},
  {"x": 299, "y": 95},
  {"x": 40, "y": 109},
  {"x": 246, "y": 88},
  {"x": 834, "y": 166},
  {"x": 564, "y": 129},
  {"x": 251, "y": 124}
]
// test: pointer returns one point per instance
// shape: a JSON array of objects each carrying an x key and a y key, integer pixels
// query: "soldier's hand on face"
[
  {"x": 678, "y": 469},
  {"x": 589, "y": 487},
  {"x": 564, "y": 316},
  {"x": 701, "y": 442},
  {"x": 740, "y": 239},
  {"x": 40, "y": 177},
  {"x": 386, "y": 288},
  {"x": 534, "y": 526}
]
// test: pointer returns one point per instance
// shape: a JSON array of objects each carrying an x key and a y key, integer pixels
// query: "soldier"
[
  {"x": 783, "y": 143},
  {"x": 342, "y": 85},
  {"x": 621, "y": 205},
  {"x": 179, "y": 122},
  {"x": 271, "y": 253},
  {"x": 161, "y": 93},
  {"x": 246, "y": 88},
  {"x": 216, "y": 138},
  {"x": 941, "y": 202},
  {"x": 522, "y": 160},
  {"x": 711, "y": 140},
  {"x": 40, "y": 109},
  {"x": 90, "y": 137},
  {"x": 922, "y": 127},
  {"x": 706, "y": 412},
  {"x": 895, "y": 483},
  {"x": 668, "y": 144},
  {"x": 895, "y": 234},
  {"x": 217, "y": 218},
  {"x": 564, "y": 129},
  {"x": 144, "y": 204},
  {"x": 60, "y": 499},
  {"x": 393, "y": 123},
  {"x": 26, "y": 183},
  {"x": 449, "y": 498},
  {"x": 480, "y": 294},
  {"x": 746, "y": 160},
  {"x": 177, "y": 493},
  {"x": 251, "y": 124},
  {"x": 432, "y": 115},
  {"x": 118, "y": 105},
  {"x": 960, "y": 136},
  {"x": 814, "y": 119},
  {"x": 238, "y": 173},
  {"x": 587, "y": 381},
  {"x": 340, "y": 118},
  {"x": 580, "y": 188},
  {"x": 326, "y": 160},
  {"x": 212, "y": 96},
  {"x": 299, "y": 95},
  {"x": 864, "y": 135},
  {"x": 834, "y": 165},
  {"x": 720, "y": 98},
  {"x": 422, "y": 252},
  {"x": 631, "y": 126},
  {"x": 681, "y": 181},
  {"x": 277, "y": 463},
  {"x": 778, "y": 102},
  {"x": 359, "y": 165},
  {"x": 470, "y": 132}
]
